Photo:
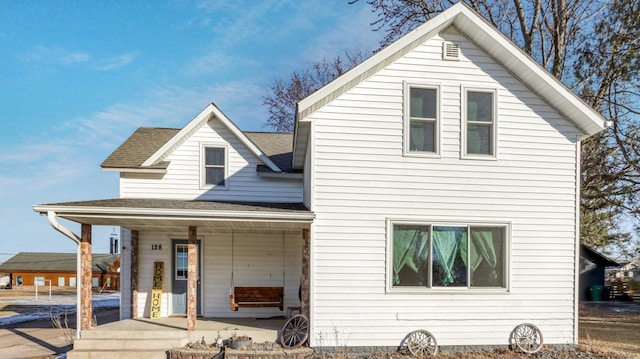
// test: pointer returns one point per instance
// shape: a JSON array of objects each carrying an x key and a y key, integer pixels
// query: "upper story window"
[
  {"x": 448, "y": 256},
  {"x": 421, "y": 124},
  {"x": 214, "y": 166},
  {"x": 480, "y": 122}
]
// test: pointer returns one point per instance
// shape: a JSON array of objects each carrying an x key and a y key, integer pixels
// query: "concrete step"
[
  {"x": 132, "y": 334},
  {"x": 117, "y": 354},
  {"x": 130, "y": 343}
]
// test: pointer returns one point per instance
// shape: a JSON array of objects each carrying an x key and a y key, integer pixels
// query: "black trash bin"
[{"x": 606, "y": 293}]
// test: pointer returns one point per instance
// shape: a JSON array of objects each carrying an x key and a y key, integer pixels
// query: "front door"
[{"x": 180, "y": 272}]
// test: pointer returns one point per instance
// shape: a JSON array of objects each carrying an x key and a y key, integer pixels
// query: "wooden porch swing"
[{"x": 255, "y": 297}]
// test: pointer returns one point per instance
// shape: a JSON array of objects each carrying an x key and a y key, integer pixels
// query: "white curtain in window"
[
  {"x": 446, "y": 247},
  {"x": 476, "y": 259},
  {"x": 408, "y": 243},
  {"x": 483, "y": 242}
]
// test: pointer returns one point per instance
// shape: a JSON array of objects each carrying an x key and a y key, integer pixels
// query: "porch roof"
[{"x": 136, "y": 213}]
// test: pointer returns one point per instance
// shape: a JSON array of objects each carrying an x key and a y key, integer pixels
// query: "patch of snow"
[{"x": 30, "y": 309}]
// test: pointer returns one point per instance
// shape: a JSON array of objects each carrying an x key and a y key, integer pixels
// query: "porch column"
[
  {"x": 84, "y": 281},
  {"x": 192, "y": 282},
  {"x": 305, "y": 280},
  {"x": 134, "y": 274}
]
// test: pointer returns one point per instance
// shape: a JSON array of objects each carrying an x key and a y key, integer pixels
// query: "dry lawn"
[{"x": 615, "y": 328}]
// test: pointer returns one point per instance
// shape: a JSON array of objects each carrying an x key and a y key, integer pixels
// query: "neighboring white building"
[
  {"x": 629, "y": 271},
  {"x": 434, "y": 186}
]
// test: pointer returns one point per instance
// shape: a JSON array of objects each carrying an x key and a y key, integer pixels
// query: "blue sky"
[{"x": 78, "y": 77}]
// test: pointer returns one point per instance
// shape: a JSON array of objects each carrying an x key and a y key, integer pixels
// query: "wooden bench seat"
[{"x": 257, "y": 297}]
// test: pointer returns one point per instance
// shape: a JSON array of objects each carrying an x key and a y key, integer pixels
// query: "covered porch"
[
  {"x": 153, "y": 338},
  {"x": 172, "y": 234}
]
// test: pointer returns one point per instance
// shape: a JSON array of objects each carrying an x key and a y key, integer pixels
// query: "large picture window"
[
  {"x": 422, "y": 119},
  {"x": 448, "y": 256},
  {"x": 480, "y": 122}
]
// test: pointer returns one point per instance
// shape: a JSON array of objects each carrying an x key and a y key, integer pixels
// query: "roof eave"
[
  {"x": 172, "y": 213},
  {"x": 135, "y": 170},
  {"x": 532, "y": 74}
]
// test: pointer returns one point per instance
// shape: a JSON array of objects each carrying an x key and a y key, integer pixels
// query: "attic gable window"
[
  {"x": 421, "y": 119},
  {"x": 480, "y": 122},
  {"x": 214, "y": 166}
]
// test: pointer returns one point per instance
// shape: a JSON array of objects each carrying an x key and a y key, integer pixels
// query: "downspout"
[{"x": 51, "y": 215}]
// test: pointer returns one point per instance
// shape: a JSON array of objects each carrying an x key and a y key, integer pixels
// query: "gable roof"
[
  {"x": 151, "y": 147},
  {"x": 54, "y": 262},
  {"x": 211, "y": 111},
  {"x": 145, "y": 141},
  {"x": 486, "y": 37},
  {"x": 604, "y": 260}
]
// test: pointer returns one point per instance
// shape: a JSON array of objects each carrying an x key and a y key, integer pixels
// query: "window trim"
[
  {"x": 406, "y": 102},
  {"x": 390, "y": 289},
  {"x": 464, "y": 90},
  {"x": 203, "y": 172}
]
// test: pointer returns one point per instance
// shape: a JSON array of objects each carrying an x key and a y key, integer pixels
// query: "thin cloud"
[
  {"x": 243, "y": 21},
  {"x": 41, "y": 165},
  {"x": 162, "y": 106},
  {"x": 84, "y": 142},
  {"x": 57, "y": 56},
  {"x": 350, "y": 33},
  {"x": 115, "y": 62}
]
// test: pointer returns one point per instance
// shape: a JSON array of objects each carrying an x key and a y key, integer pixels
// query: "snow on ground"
[{"x": 27, "y": 308}]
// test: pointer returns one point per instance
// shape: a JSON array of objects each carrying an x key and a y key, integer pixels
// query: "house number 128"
[{"x": 156, "y": 247}]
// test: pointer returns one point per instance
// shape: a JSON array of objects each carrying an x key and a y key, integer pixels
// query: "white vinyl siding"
[
  {"x": 361, "y": 178},
  {"x": 183, "y": 179},
  {"x": 260, "y": 258}
]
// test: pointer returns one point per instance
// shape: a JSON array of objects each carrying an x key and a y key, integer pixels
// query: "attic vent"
[{"x": 450, "y": 51}]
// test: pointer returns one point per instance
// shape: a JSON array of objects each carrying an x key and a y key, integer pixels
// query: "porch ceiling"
[{"x": 135, "y": 213}]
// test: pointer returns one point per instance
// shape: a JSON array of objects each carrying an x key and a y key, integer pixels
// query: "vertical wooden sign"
[{"x": 156, "y": 292}]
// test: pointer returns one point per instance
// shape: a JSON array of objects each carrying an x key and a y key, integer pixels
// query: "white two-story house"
[{"x": 435, "y": 186}]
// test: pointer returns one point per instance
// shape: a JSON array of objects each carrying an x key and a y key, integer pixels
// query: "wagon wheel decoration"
[
  {"x": 422, "y": 343},
  {"x": 528, "y": 338},
  {"x": 295, "y": 332}
]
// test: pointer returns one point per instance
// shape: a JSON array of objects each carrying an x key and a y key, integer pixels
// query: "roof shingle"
[{"x": 143, "y": 143}]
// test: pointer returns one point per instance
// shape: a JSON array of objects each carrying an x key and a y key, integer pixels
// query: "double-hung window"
[
  {"x": 448, "y": 256},
  {"x": 480, "y": 116},
  {"x": 421, "y": 113},
  {"x": 214, "y": 166}
]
